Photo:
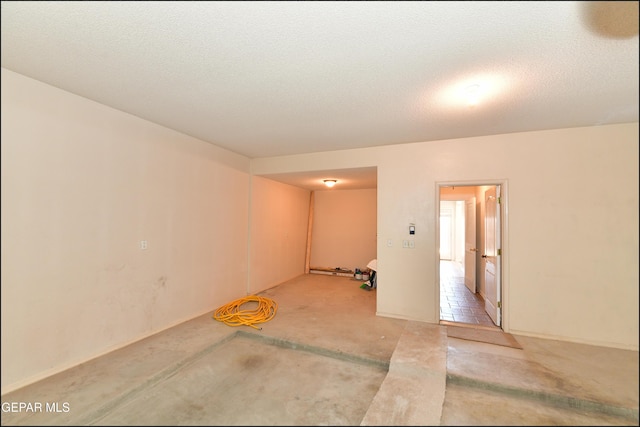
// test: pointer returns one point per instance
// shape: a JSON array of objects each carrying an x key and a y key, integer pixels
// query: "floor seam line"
[
  {"x": 321, "y": 351},
  {"x": 550, "y": 398},
  {"x": 104, "y": 410}
]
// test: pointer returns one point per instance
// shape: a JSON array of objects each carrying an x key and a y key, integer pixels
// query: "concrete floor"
[{"x": 326, "y": 359}]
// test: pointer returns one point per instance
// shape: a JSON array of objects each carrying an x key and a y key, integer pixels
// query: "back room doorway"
[{"x": 469, "y": 253}]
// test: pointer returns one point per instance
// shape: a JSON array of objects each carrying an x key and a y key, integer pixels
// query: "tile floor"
[{"x": 457, "y": 303}]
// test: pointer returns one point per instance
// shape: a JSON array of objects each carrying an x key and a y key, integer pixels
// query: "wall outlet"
[{"x": 143, "y": 244}]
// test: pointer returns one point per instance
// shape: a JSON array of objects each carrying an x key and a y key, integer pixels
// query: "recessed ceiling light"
[
  {"x": 330, "y": 182},
  {"x": 473, "y": 94},
  {"x": 473, "y": 90}
]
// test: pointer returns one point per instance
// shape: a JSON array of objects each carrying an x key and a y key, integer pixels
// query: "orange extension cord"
[{"x": 232, "y": 315}]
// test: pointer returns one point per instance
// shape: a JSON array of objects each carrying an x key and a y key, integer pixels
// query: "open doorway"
[{"x": 469, "y": 254}]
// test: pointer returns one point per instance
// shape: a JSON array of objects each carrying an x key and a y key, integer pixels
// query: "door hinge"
[
  {"x": 499, "y": 200},
  {"x": 499, "y": 252},
  {"x": 499, "y": 304}
]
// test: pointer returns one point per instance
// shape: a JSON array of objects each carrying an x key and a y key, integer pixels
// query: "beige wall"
[
  {"x": 344, "y": 228},
  {"x": 570, "y": 263},
  {"x": 82, "y": 185},
  {"x": 278, "y": 233}
]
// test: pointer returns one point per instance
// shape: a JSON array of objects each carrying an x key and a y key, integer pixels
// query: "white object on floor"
[{"x": 373, "y": 264}]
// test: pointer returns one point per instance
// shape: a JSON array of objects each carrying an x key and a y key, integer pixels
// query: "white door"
[
  {"x": 491, "y": 255},
  {"x": 470, "y": 244}
]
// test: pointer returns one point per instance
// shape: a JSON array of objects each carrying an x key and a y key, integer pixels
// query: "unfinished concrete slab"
[
  {"x": 327, "y": 359},
  {"x": 249, "y": 382}
]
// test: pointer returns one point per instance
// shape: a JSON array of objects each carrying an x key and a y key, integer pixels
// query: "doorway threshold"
[{"x": 470, "y": 325}]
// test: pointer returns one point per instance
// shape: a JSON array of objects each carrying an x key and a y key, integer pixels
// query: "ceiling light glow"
[
  {"x": 330, "y": 182},
  {"x": 473, "y": 94},
  {"x": 473, "y": 90}
]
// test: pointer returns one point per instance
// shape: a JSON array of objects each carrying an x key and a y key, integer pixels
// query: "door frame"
[{"x": 503, "y": 242}]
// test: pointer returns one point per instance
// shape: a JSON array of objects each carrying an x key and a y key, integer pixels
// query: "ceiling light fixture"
[
  {"x": 473, "y": 94},
  {"x": 330, "y": 182}
]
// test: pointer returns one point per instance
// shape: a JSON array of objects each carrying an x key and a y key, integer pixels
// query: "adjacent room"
[{"x": 464, "y": 250}]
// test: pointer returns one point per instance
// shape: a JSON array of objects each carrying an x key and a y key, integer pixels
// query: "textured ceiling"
[{"x": 277, "y": 78}]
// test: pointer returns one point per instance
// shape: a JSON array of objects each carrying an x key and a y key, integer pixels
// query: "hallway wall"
[
  {"x": 278, "y": 233},
  {"x": 344, "y": 228}
]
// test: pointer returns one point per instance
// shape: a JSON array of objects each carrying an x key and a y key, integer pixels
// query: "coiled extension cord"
[{"x": 233, "y": 314}]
